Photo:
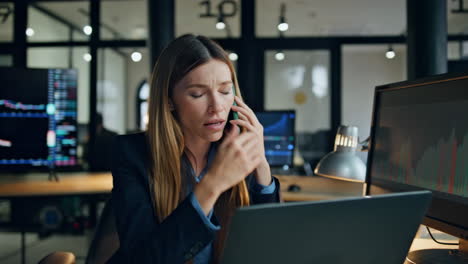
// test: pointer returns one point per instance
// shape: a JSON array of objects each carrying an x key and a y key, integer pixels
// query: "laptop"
[{"x": 370, "y": 229}]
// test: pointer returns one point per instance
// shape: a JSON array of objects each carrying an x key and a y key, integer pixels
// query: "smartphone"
[{"x": 232, "y": 114}]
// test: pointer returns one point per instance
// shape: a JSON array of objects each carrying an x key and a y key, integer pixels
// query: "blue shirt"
[{"x": 204, "y": 256}]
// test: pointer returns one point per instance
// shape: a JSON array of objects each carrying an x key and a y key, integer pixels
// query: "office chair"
[
  {"x": 106, "y": 240},
  {"x": 59, "y": 257}
]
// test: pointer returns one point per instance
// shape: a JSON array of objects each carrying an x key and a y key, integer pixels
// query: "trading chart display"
[
  {"x": 38, "y": 114},
  {"x": 278, "y": 130},
  {"x": 421, "y": 137}
]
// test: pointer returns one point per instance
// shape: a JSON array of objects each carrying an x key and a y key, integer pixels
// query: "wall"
[{"x": 363, "y": 68}]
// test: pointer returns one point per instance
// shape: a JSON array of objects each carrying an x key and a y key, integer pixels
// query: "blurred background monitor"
[
  {"x": 38, "y": 119},
  {"x": 419, "y": 140},
  {"x": 279, "y": 137}
]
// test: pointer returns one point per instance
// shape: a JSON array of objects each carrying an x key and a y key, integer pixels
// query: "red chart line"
[
  {"x": 440, "y": 169},
  {"x": 454, "y": 166}
]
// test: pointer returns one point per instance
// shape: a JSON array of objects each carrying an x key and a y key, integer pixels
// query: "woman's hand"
[
  {"x": 249, "y": 121},
  {"x": 237, "y": 156}
]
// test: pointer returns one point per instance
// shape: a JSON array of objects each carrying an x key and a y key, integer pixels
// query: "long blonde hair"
[{"x": 164, "y": 134}]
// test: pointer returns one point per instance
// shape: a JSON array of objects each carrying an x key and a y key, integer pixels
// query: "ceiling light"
[
  {"x": 279, "y": 56},
  {"x": 136, "y": 56},
  {"x": 87, "y": 57},
  {"x": 220, "y": 25},
  {"x": 87, "y": 30},
  {"x": 283, "y": 26},
  {"x": 390, "y": 54},
  {"x": 29, "y": 32},
  {"x": 233, "y": 56}
]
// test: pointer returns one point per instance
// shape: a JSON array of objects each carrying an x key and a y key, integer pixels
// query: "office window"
[
  {"x": 234, "y": 57},
  {"x": 202, "y": 17},
  {"x": 457, "y": 20},
  {"x": 143, "y": 96},
  {"x": 111, "y": 88},
  {"x": 363, "y": 68},
  {"x": 124, "y": 19},
  {"x": 138, "y": 71},
  {"x": 58, "y": 21},
  {"x": 332, "y": 17},
  {"x": 6, "y": 22},
  {"x": 6, "y": 60},
  {"x": 299, "y": 80},
  {"x": 79, "y": 35},
  {"x": 457, "y": 50},
  {"x": 66, "y": 57},
  {"x": 453, "y": 50}
]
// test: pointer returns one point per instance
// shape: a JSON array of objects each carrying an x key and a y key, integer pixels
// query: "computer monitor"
[
  {"x": 419, "y": 140},
  {"x": 38, "y": 119},
  {"x": 278, "y": 135}
]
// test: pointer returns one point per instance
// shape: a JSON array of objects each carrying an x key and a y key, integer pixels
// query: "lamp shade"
[{"x": 343, "y": 163}]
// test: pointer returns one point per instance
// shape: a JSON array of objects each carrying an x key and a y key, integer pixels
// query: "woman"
[{"x": 176, "y": 186}]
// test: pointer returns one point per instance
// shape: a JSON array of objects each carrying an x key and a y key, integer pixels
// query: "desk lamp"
[{"x": 343, "y": 163}]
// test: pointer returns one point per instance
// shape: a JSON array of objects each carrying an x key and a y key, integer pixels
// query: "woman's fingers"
[
  {"x": 243, "y": 123},
  {"x": 246, "y": 144},
  {"x": 243, "y": 139},
  {"x": 252, "y": 149},
  {"x": 244, "y": 114},
  {"x": 245, "y": 110}
]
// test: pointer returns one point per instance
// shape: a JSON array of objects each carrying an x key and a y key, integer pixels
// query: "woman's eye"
[
  {"x": 196, "y": 95},
  {"x": 226, "y": 92}
]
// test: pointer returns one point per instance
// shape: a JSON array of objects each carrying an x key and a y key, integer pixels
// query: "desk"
[
  {"x": 72, "y": 184},
  {"x": 68, "y": 184},
  {"x": 315, "y": 188},
  {"x": 90, "y": 184},
  {"x": 97, "y": 186},
  {"x": 425, "y": 242}
]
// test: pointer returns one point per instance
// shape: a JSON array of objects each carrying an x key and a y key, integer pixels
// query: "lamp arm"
[{"x": 364, "y": 144}]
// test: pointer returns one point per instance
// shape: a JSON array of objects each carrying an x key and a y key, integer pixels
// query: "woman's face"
[{"x": 203, "y": 99}]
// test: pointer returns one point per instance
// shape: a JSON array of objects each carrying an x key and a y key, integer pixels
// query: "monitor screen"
[
  {"x": 38, "y": 118},
  {"x": 278, "y": 135},
  {"x": 419, "y": 140}
]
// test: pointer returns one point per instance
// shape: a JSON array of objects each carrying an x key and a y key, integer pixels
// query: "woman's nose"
[{"x": 216, "y": 105}]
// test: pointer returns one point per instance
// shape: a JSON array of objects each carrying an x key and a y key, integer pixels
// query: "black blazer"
[{"x": 180, "y": 237}]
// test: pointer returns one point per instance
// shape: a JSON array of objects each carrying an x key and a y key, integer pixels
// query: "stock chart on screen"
[
  {"x": 278, "y": 130},
  {"x": 423, "y": 140},
  {"x": 38, "y": 112}
]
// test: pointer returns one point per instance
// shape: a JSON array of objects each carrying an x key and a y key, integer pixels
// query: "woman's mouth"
[{"x": 216, "y": 125}]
